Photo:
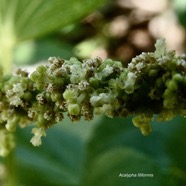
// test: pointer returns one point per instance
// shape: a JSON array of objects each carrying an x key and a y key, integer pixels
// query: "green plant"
[
  {"x": 152, "y": 87},
  {"x": 94, "y": 87}
]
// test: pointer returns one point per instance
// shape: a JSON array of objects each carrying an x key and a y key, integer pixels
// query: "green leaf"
[
  {"x": 30, "y": 19},
  {"x": 96, "y": 152},
  {"x": 123, "y": 166},
  {"x": 59, "y": 160},
  {"x": 161, "y": 146},
  {"x": 56, "y": 163}
]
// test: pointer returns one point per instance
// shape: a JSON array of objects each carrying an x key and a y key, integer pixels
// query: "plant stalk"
[{"x": 10, "y": 164}]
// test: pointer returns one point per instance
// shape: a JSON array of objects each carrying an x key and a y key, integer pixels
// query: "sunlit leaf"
[{"x": 30, "y": 19}]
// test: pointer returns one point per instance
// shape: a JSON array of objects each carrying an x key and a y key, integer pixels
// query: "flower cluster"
[{"x": 153, "y": 84}]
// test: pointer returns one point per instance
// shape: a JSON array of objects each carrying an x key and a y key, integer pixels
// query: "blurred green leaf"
[
  {"x": 87, "y": 47},
  {"x": 31, "y": 52},
  {"x": 61, "y": 158},
  {"x": 160, "y": 147},
  {"x": 58, "y": 162},
  {"x": 111, "y": 168},
  {"x": 95, "y": 153},
  {"x": 24, "y": 19},
  {"x": 30, "y": 19},
  {"x": 180, "y": 8}
]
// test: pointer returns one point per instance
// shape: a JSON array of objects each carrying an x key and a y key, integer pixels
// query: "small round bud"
[
  {"x": 146, "y": 129},
  {"x": 56, "y": 97},
  {"x": 35, "y": 76},
  {"x": 74, "y": 109},
  {"x": 70, "y": 95},
  {"x": 41, "y": 69},
  {"x": 143, "y": 123},
  {"x": 172, "y": 85},
  {"x": 11, "y": 123},
  {"x": 41, "y": 120},
  {"x": 129, "y": 89},
  {"x": 178, "y": 77},
  {"x": 94, "y": 82},
  {"x": 27, "y": 95}
]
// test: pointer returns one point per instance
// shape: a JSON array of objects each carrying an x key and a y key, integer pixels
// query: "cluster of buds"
[{"x": 152, "y": 86}]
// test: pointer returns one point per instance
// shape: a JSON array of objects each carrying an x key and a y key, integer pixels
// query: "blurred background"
[
  {"x": 119, "y": 29},
  {"x": 95, "y": 153}
]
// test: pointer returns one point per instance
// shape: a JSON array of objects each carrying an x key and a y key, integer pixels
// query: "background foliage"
[{"x": 93, "y": 153}]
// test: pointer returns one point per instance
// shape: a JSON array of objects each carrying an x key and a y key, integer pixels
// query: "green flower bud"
[
  {"x": 104, "y": 73},
  {"x": 130, "y": 82},
  {"x": 74, "y": 109},
  {"x": 165, "y": 115},
  {"x": 12, "y": 123},
  {"x": 168, "y": 93},
  {"x": 59, "y": 81},
  {"x": 41, "y": 120},
  {"x": 56, "y": 97},
  {"x": 146, "y": 129},
  {"x": 77, "y": 73},
  {"x": 80, "y": 98},
  {"x": 36, "y": 77},
  {"x": 70, "y": 95},
  {"x": 108, "y": 110},
  {"x": 129, "y": 89},
  {"x": 143, "y": 123},
  {"x": 178, "y": 77},
  {"x": 41, "y": 69},
  {"x": 27, "y": 95},
  {"x": 94, "y": 82},
  {"x": 172, "y": 85},
  {"x": 169, "y": 103}
]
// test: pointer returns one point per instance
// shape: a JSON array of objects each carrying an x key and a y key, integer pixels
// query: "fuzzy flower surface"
[{"x": 151, "y": 87}]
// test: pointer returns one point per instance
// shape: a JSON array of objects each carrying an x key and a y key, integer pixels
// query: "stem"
[
  {"x": 10, "y": 163},
  {"x": 7, "y": 41},
  {"x": 6, "y": 58}
]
